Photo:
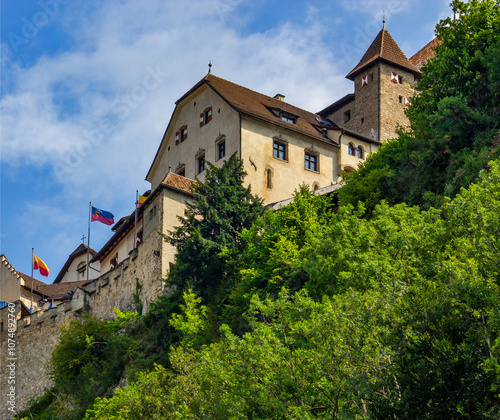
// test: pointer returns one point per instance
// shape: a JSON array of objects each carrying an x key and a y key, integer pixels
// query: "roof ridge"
[{"x": 385, "y": 48}]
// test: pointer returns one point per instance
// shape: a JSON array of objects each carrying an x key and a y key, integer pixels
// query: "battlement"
[{"x": 38, "y": 333}]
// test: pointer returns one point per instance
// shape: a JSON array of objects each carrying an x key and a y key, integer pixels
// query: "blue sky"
[{"x": 79, "y": 123}]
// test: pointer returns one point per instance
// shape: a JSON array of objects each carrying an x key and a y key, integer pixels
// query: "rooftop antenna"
[{"x": 210, "y": 67}]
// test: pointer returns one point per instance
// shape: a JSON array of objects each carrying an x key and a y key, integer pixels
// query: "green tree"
[{"x": 221, "y": 208}]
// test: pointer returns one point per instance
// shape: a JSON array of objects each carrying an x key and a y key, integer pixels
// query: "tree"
[{"x": 221, "y": 208}]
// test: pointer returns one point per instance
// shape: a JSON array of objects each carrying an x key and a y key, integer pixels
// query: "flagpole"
[
  {"x": 135, "y": 223},
  {"x": 32, "y": 264},
  {"x": 88, "y": 242}
]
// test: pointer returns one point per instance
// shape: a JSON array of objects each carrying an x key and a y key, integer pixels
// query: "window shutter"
[
  {"x": 185, "y": 134},
  {"x": 177, "y": 138},
  {"x": 201, "y": 119},
  {"x": 210, "y": 114},
  {"x": 364, "y": 81},
  {"x": 407, "y": 101},
  {"x": 394, "y": 77}
]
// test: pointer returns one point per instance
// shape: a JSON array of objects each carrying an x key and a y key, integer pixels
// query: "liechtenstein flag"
[{"x": 102, "y": 216}]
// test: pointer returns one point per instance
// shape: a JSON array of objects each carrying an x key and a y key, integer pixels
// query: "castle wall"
[
  {"x": 225, "y": 121},
  {"x": 392, "y": 102},
  {"x": 38, "y": 333},
  {"x": 257, "y": 140},
  {"x": 24, "y": 355}
]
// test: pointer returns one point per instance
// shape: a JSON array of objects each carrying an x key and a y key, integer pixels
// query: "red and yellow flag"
[
  {"x": 40, "y": 265},
  {"x": 141, "y": 200}
]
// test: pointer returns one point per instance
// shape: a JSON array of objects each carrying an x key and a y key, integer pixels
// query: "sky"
[{"x": 88, "y": 88}]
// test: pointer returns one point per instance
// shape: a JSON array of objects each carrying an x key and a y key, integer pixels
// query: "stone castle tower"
[{"x": 384, "y": 81}]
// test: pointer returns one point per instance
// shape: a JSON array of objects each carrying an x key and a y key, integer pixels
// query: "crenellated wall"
[{"x": 38, "y": 333}]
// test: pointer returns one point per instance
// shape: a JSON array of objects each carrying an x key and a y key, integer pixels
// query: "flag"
[
  {"x": 51, "y": 303},
  {"x": 40, "y": 265},
  {"x": 141, "y": 200},
  {"x": 102, "y": 216}
]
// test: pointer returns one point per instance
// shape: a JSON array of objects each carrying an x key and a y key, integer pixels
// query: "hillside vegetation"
[{"x": 387, "y": 308}]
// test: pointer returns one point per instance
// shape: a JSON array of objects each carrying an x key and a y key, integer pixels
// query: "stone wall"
[{"x": 38, "y": 334}]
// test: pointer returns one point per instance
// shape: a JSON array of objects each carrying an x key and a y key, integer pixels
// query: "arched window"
[
  {"x": 359, "y": 152},
  {"x": 350, "y": 149},
  {"x": 81, "y": 269}
]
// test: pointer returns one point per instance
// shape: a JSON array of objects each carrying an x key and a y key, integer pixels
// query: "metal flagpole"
[
  {"x": 88, "y": 241},
  {"x": 135, "y": 223},
  {"x": 32, "y": 267}
]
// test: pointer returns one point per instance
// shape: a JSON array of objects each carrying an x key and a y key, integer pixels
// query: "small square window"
[
  {"x": 347, "y": 116},
  {"x": 311, "y": 162},
  {"x": 400, "y": 79},
  {"x": 400, "y": 99},
  {"x": 200, "y": 164},
  {"x": 279, "y": 150}
]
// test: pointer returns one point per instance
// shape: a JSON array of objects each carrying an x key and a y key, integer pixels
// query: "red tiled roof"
[
  {"x": 179, "y": 183},
  {"x": 52, "y": 291},
  {"x": 383, "y": 48},
  {"x": 262, "y": 106},
  {"x": 420, "y": 58}
]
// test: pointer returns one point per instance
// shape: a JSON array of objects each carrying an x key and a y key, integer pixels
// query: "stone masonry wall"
[{"x": 38, "y": 334}]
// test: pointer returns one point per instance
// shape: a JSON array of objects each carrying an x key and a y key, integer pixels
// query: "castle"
[{"x": 281, "y": 146}]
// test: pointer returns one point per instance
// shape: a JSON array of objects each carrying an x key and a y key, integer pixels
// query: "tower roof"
[{"x": 383, "y": 48}]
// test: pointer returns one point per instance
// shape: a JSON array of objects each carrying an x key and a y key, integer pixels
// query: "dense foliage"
[
  {"x": 454, "y": 118},
  {"x": 407, "y": 325}
]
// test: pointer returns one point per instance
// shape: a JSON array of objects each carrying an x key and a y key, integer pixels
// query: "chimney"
[{"x": 280, "y": 97}]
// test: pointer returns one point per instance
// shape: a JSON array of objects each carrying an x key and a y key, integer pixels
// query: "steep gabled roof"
[
  {"x": 264, "y": 107},
  {"x": 420, "y": 58},
  {"x": 383, "y": 48},
  {"x": 81, "y": 249}
]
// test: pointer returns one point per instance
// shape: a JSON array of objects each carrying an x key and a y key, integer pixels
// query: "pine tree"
[{"x": 222, "y": 207}]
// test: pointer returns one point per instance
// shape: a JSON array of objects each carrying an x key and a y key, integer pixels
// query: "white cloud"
[{"x": 99, "y": 111}]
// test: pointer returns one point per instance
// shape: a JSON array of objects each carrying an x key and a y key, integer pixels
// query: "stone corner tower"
[{"x": 384, "y": 81}]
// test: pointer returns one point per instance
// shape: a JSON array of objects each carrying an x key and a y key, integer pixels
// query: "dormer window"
[{"x": 289, "y": 118}]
